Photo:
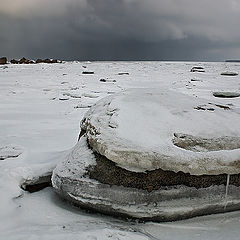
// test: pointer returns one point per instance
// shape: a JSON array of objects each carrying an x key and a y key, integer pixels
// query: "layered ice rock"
[{"x": 141, "y": 134}]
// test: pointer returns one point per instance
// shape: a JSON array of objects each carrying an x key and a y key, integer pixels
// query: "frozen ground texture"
[{"x": 43, "y": 127}]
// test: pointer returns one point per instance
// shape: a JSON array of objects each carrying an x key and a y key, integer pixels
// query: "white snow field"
[{"x": 40, "y": 112}]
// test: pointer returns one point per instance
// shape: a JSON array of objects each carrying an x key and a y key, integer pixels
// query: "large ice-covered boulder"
[{"x": 155, "y": 154}]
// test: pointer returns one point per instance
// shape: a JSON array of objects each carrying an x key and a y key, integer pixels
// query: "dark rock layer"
[{"x": 107, "y": 172}]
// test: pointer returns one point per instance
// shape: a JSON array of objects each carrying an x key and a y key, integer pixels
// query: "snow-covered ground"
[{"x": 40, "y": 111}]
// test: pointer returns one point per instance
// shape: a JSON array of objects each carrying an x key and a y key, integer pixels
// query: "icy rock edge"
[{"x": 71, "y": 182}]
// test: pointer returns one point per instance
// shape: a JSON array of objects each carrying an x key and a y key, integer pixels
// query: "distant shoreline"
[{"x": 234, "y": 61}]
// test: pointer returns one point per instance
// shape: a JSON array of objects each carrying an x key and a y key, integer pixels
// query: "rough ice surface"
[
  {"x": 137, "y": 129},
  {"x": 31, "y": 116},
  {"x": 10, "y": 152},
  {"x": 71, "y": 167}
]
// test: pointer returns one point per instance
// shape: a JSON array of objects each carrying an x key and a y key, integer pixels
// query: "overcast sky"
[{"x": 120, "y": 29}]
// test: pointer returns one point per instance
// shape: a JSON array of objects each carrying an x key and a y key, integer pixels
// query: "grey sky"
[{"x": 120, "y": 29}]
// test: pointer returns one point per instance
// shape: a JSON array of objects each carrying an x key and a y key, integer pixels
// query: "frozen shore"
[{"x": 40, "y": 117}]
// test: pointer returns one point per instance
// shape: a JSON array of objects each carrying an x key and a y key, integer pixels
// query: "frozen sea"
[{"x": 40, "y": 111}]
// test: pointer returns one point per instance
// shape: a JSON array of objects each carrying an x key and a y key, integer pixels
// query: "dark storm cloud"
[{"x": 120, "y": 29}]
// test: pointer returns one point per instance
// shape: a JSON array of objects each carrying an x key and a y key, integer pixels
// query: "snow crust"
[{"x": 136, "y": 129}]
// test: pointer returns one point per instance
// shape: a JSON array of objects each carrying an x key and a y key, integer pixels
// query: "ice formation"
[{"x": 146, "y": 130}]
